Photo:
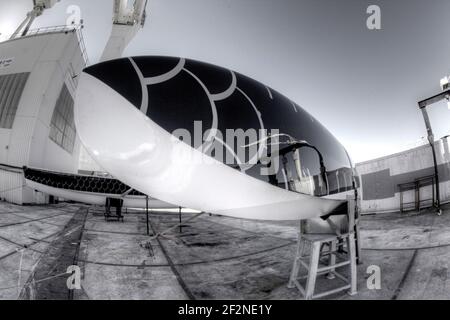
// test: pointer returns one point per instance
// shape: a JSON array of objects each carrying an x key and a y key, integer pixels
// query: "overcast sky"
[{"x": 363, "y": 85}]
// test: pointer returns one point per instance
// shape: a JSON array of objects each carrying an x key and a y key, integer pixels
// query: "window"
[
  {"x": 62, "y": 128},
  {"x": 11, "y": 88}
]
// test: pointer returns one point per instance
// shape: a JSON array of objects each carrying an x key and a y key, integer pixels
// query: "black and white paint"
[{"x": 175, "y": 93}]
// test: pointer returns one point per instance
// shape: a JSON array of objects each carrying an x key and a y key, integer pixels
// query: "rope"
[
  {"x": 161, "y": 234},
  {"x": 35, "y": 281}
]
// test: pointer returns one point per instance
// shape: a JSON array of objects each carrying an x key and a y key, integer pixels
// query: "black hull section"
[{"x": 73, "y": 182}]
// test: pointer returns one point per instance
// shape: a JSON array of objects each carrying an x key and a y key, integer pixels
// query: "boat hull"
[{"x": 136, "y": 150}]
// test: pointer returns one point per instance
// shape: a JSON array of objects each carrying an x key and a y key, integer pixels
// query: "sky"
[{"x": 362, "y": 84}]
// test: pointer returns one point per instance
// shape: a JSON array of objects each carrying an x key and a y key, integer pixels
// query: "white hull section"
[
  {"x": 98, "y": 198},
  {"x": 138, "y": 152}
]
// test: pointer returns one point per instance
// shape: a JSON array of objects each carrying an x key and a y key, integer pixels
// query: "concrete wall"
[
  {"x": 380, "y": 177},
  {"x": 52, "y": 59}
]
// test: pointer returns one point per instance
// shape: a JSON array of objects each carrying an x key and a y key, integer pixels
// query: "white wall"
[{"x": 52, "y": 60}]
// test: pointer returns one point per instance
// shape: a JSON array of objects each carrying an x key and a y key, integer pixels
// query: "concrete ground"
[{"x": 212, "y": 258}]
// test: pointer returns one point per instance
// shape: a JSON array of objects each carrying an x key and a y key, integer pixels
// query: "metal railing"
[
  {"x": 82, "y": 45},
  {"x": 416, "y": 186},
  {"x": 61, "y": 29}
]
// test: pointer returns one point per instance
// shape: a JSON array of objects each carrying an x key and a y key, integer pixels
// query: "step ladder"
[{"x": 328, "y": 253}]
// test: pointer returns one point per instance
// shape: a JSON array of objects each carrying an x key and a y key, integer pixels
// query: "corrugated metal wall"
[
  {"x": 11, "y": 186},
  {"x": 380, "y": 177}
]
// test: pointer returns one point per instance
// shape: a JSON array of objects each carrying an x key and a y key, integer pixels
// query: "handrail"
[
  {"x": 415, "y": 182},
  {"x": 416, "y": 185},
  {"x": 60, "y": 29}
]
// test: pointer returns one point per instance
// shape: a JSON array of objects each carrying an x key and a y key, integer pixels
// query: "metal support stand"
[
  {"x": 146, "y": 213},
  {"x": 423, "y": 106},
  {"x": 433, "y": 150},
  {"x": 164, "y": 233},
  {"x": 333, "y": 256},
  {"x": 181, "y": 226},
  {"x": 116, "y": 203},
  {"x": 359, "y": 260}
]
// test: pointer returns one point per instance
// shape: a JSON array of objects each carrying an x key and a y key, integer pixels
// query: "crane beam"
[
  {"x": 129, "y": 17},
  {"x": 39, "y": 6}
]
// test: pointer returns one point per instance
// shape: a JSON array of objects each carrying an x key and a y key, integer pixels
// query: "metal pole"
[
  {"x": 433, "y": 149},
  {"x": 30, "y": 22},
  {"x": 14, "y": 35},
  {"x": 146, "y": 210},
  {"x": 181, "y": 227}
]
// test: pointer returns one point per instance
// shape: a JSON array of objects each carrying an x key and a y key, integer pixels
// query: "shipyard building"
[{"x": 38, "y": 78}]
